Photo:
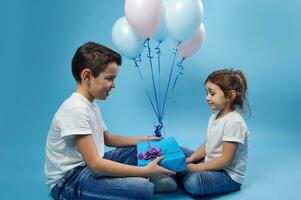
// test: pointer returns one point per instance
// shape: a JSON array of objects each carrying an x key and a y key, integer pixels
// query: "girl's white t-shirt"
[
  {"x": 76, "y": 116},
  {"x": 230, "y": 128}
]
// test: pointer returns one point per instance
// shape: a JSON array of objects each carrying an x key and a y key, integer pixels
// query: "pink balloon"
[
  {"x": 144, "y": 16},
  {"x": 189, "y": 47}
]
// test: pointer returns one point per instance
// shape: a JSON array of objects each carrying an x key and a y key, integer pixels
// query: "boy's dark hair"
[
  {"x": 229, "y": 79},
  {"x": 95, "y": 57}
]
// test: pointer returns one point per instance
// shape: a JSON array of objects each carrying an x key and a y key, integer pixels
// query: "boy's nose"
[{"x": 113, "y": 85}]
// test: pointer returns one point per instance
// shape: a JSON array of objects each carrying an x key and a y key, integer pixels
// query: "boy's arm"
[
  {"x": 199, "y": 154},
  {"x": 97, "y": 164},
  {"x": 122, "y": 141},
  {"x": 228, "y": 153}
]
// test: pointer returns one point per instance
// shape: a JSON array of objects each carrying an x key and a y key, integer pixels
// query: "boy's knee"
[
  {"x": 127, "y": 149},
  {"x": 142, "y": 188}
]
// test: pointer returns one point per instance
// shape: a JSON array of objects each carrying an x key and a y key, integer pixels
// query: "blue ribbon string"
[
  {"x": 179, "y": 73},
  {"x": 149, "y": 55},
  {"x": 175, "y": 52},
  {"x": 159, "y": 106},
  {"x": 158, "y": 52},
  {"x": 158, "y": 128},
  {"x": 148, "y": 95}
]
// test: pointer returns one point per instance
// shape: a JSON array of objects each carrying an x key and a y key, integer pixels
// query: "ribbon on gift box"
[{"x": 153, "y": 152}]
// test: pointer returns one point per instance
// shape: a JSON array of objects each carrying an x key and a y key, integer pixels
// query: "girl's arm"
[
  {"x": 97, "y": 164},
  {"x": 121, "y": 141},
  {"x": 199, "y": 154},
  {"x": 228, "y": 153}
]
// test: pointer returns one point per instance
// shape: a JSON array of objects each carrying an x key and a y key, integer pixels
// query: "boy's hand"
[
  {"x": 154, "y": 170},
  {"x": 152, "y": 137}
]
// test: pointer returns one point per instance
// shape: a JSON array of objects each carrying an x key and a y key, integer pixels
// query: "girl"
[{"x": 219, "y": 165}]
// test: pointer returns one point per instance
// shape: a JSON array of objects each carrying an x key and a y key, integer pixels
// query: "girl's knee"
[
  {"x": 165, "y": 184},
  {"x": 187, "y": 152},
  {"x": 191, "y": 185}
]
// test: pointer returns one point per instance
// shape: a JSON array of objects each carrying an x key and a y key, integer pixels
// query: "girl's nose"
[{"x": 207, "y": 97}]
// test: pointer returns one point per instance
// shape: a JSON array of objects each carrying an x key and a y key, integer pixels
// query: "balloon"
[
  {"x": 189, "y": 47},
  {"x": 183, "y": 17},
  {"x": 162, "y": 32},
  {"x": 126, "y": 40},
  {"x": 144, "y": 16}
]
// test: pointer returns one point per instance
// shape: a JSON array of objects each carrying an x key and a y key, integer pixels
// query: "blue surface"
[{"x": 39, "y": 38}]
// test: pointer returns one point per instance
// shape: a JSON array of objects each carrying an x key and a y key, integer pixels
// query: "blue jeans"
[
  {"x": 202, "y": 183},
  {"x": 82, "y": 183}
]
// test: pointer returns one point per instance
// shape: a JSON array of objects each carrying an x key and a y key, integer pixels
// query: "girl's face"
[{"x": 215, "y": 97}]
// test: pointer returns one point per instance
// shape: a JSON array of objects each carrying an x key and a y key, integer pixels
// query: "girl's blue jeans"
[
  {"x": 202, "y": 183},
  {"x": 82, "y": 183}
]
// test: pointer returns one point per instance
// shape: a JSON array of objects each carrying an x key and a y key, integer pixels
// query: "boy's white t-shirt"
[
  {"x": 76, "y": 116},
  {"x": 230, "y": 128}
]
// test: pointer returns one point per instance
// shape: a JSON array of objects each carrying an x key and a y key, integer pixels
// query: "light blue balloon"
[
  {"x": 126, "y": 39},
  {"x": 162, "y": 32},
  {"x": 183, "y": 17}
]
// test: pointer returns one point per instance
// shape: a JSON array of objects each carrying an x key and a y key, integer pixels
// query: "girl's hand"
[
  {"x": 192, "y": 167},
  {"x": 189, "y": 160},
  {"x": 154, "y": 170}
]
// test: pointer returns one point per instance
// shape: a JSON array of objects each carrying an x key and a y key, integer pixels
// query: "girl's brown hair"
[{"x": 229, "y": 79}]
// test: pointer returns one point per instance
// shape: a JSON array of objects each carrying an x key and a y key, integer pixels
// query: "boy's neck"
[{"x": 83, "y": 90}]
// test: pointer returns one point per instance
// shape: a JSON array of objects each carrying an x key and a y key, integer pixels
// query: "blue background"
[{"x": 262, "y": 38}]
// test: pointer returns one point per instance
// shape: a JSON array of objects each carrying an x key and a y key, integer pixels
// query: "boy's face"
[
  {"x": 215, "y": 97},
  {"x": 101, "y": 85}
]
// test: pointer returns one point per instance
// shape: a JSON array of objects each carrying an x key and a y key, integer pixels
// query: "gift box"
[{"x": 174, "y": 158}]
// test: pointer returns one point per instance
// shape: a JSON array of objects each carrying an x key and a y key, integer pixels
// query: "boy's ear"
[{"x": 86, "y": 75}]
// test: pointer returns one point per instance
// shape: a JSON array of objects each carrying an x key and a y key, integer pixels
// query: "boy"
[{"x": 76, "y": 165}]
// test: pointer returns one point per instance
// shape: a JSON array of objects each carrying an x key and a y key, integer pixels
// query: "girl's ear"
[{"x": 232, "y": 95}]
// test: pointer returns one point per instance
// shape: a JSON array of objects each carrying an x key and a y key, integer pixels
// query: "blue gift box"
[{"x": 174, "y": 158}]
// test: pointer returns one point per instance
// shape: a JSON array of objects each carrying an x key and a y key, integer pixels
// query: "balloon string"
[
  {"x": 158, "y": 52},
  {"x": 140, "y": 74},
  {"x": 158, "y": 129},
  {"x": 179, "y": 73},
  {"x": 169, "y": 79},
  {"x": 153, "y": 79}
]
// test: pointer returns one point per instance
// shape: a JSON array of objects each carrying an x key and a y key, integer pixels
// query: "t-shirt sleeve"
[
  {"x": 233, "y": 132},
  {"x": 104, "y": 126},
  {"x": 75, "y": 121}
]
